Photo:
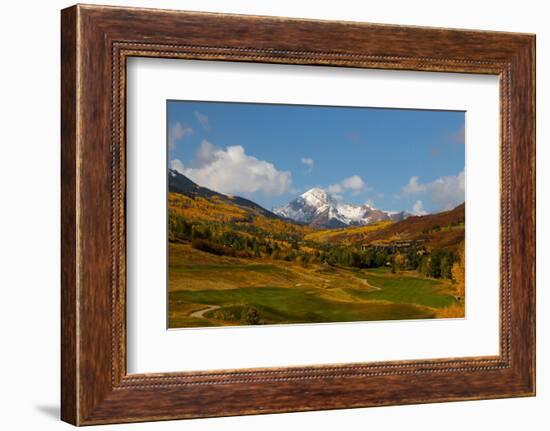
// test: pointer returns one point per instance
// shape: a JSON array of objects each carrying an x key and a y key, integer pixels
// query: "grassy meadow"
[{"x": 210, "y": 290}]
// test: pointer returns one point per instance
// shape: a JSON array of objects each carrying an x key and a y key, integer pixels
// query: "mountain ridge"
[
  {"x": 179, "y": 183},
  {"x": 318, "y": 208}
]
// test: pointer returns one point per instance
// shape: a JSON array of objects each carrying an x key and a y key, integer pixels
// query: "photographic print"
[{"x": 297, "y": 214}]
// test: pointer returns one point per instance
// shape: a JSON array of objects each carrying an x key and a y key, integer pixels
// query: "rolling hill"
[
  {"x": 179, "y": 183},
  {"x": 194, "y": 207},
  {"x": 444, "y": 229}
]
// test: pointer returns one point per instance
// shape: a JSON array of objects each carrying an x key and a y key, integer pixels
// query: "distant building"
[{"x": 392, "y": 247}]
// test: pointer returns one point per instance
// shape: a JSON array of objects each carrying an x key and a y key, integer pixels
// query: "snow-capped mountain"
[{"x": 319, "y": 209}]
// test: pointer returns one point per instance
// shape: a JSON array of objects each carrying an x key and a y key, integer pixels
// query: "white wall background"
[{"x": 29, "y": 216}]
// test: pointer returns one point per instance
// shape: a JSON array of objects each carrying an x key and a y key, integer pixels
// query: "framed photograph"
[
  {"x": 266, "y": 215},
  {"x": 323, "y": 252}
]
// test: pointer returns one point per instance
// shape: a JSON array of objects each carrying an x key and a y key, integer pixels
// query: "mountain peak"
[
  {"x": 315, "y": 191},
  {"x": 319, "y": 208},
  {"x": 318, "y": 197}
]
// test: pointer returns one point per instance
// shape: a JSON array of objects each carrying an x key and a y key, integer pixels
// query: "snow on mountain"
[
  {"x": 318, "y": 197},
  {"x": 318, "y": 208}
]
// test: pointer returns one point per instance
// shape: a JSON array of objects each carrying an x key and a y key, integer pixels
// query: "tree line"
[{"x": 221, "y": 239}]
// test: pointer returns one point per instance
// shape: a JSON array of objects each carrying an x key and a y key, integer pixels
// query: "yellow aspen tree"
[{"x": 458, "y": 274}]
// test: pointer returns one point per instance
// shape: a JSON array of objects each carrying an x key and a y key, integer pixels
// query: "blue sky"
[{"x": 394, "y": 159}]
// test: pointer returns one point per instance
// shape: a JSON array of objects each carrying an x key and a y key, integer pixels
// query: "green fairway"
[
  {"x": 239, "y": 292},
  {"x": 296, "y": 305},
  {"x": 404, "y": 289}
]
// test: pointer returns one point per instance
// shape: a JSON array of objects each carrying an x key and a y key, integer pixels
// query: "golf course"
[{"x": 268, "y": 291}]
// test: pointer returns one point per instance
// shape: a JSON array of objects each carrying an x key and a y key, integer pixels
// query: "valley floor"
[{"x": 210, "y": 290}]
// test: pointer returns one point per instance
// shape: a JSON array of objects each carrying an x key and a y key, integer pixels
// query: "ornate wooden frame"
[{"x": 95, "y": 42}]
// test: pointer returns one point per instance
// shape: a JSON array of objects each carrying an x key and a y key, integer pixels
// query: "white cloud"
[
  {"x": 177, "y": 165},
  {"x": 355, "y": 184},
  {"x": 231, "y": 170},
  {"x": 335, "y": 188},
  {"x": 418, "y": 208},
  {"x": 309, "y": 162},
  {"x": 202, "y": 119},
  {"x": 177, "y": 132},
  {"x": 447, "y": 191},
  {"x": 206, "y": 153},
  {"x": 413, "y": 186}
]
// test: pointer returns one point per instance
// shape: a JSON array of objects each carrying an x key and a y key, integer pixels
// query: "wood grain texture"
[
  {"x": 69, "y": 366},
  {"x": 96, "y": 41}
]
